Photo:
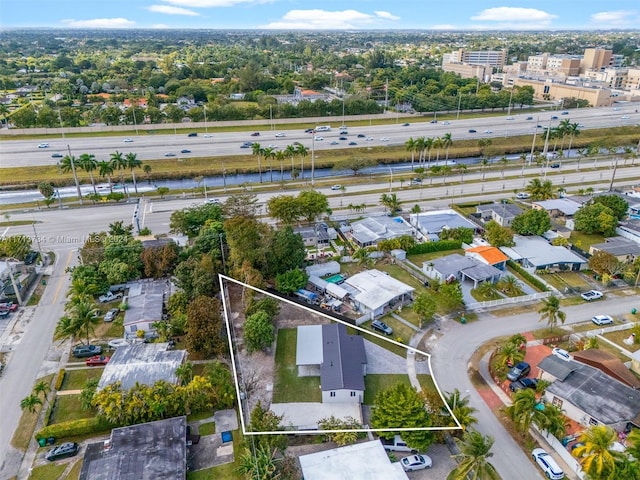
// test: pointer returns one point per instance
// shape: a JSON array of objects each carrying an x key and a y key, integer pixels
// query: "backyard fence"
[{"x": 507, "y": 301}]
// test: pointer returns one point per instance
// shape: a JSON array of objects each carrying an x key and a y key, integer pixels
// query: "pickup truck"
[
  {"x": 396, "y": 444},
  {"x": 109, "y": 297}
]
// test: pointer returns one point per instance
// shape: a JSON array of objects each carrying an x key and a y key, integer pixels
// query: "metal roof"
[
  {"x": 309, "y": 345},
  {"x": 435, "y": 222},
  {"x": 145, "y": 301},
  {"x": 541, "y": 253},
  {"x": 376, "y": 288},
  {"x": 343, "y": 357},
  {"x": 374, "y": 229},
  {"x": 564, "y": 205}
]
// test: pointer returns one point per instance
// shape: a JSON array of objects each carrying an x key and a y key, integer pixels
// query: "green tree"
[
  {"x": 89, "y": 164},
  {"x": 497, "y": 235},
  {"x": 463, "y": 234},
  {"x": 603, "y": 263},
  {"x": 30, "y": 403},
  {"x": 595, "y": 218},
  {"x": 619, "y": 206},
  {"x": 16, "y": 246},
  {"x": 425, "y": 306},
  {"x": 550, "y": 311},
  {"x": 41, "y": 387},
  {"x": 461, "y": 409},
  {"x": 264, "y": 420},
  {"x": 205, "y": 331},
  {"x": 259, "y": 333},
  {"x": 473, "y": 459},
  {"x": 285, "y": 208},
  {"x": 595, "y": 453},
  {"x": 340, "y": 438},
  {"x": 132, "y": 163},
  {"x": 356, "y": 164},
  {"x": 88, "y": 392},
  {"x": 450, "y": 297},
  {"x": 540, "y": 189},
  {"x": 191, "y": 220},
  {"x": 391, "y": 202},
  {"x": 510, "y": 353},
  {"x": 286, "y": 252},
  {"x": 531, "y": 222},
  {"x": 312, "y": 204},
  {"x": 105, "y": 169},
  {"x": 291, "y": 281},
  {"x": 258, "y": 465},
  {"x": 185, "y": 373},
  {"x": 47, "y": 191},
  {"x": 401, "y": 406}
]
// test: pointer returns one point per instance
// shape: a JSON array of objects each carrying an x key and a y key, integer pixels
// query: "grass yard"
[
  {"x": 410, "y": 316},
  {"x": 74, "y": 473},
  {"x": 288, "y": 387},
  {"x": 425, "y": 257},
  {"x": 222, "y": 472},
  {"x": 619, "y": 336},
  {"x": 76, "y": 379},
  {"x": 68, "y": 407},
  {"x": 562, "y": 280},
  {"x": 51, "y": 471},
  {"x": 27, "y": 424},
  {"x": 377, "y": 383},
  {"x": 521, "y": 278},
  {"x": 584, "y": 241},
  {"x": 401, "y": 332},
  {"x": 113, "y": 329},
  {"x": 403, "y": 276},
  {"x": 397, "y": 349},
  {"x": 483, "y": 298},
  {"x": 208, "y": 428}
]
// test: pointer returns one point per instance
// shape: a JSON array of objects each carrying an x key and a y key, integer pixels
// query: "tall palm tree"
[
  {"x": 147, "y": 171},
  {"x": 595, "y": 455},
  {"x": 438, "y": 144},
  {"x": 119, "y": 163},
  {"x": 420, "y": 148},
  {"x": 390, "y": 201},
  {"x": 550, "y": 311},
  {"x": 269, "y": 153},
  {"x": 504, "y": 161},
  {"x": 483, "y": 164},
  {"x": 68, "y": 164},
  {"x": 461, "y": 409},
  {"x": 30, "y": 403},
  {"x": 303, "y": 152},
  {"x": 67, "y": 328},
  {"x": 84, "y": 315},
  {"x": 473, "y": 459},
  {"x": 411, "y": 146},
  {"x": 280, "y": 156},
  {"x": 523, "y": 410},
  {"x": 258, "y": 151},
  {"x": 461, "y": 168},
  {"x": 105, "y": 169},
  {"x": 573, "y": 130},
  {"x": 540, "y": 190},
  {"x": 290, "y": 153},
  {"x": 133, "y": 163},
  {"x": 447, "y": 142},
  {"x": 88, "y": 163},
  {"x": 428, "y": 145}
]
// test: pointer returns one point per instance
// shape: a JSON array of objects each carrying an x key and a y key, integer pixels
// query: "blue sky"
[{"x": 324, "y": 14}]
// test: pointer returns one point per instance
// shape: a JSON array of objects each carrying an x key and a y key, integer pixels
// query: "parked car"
[
  {"x": 56, "y": 155},
  {"x": 5, "y": 313},
  {"x": 592, "y": 295},
  {"x": 396, "y": 444},
  {"x": 519, "y": 371},
  {"x": 602, "y": 320},
  {"x": 109, "y": 297},
  {"x": 84, "y": 351},
  {"x": 111, "y": 315},
  {"x": 65, "y": 450},
  {"x": 416, "y": 462},
  {"x": 9, "y": 306},
  {"x": 382, "y": 327},
  {"x": 192, "y": 134},
  {"x": 118, "y": 342},
  {"x": 523, "y": 383},
  {"x": 547, "y": 464},
  {"x": 561, "y": 353},
  {"x": 97, "y": 360},
  {"x": 31, "y": 258}
]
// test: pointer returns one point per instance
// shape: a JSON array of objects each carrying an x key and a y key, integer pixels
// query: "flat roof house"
[
  {"x": 460, "y": 268},
  {"x": 144, "y": 363},
  {"x": 145, "y": 302},
  {"x": 535, "y": 253},
  {"x": 154, "y": 450},
  {"x": 370, "y": 231},
  {"x": 588, "y": 395},
  {"x": 430, "y": 224},
  {"x": 558, "y": 207},
  {"x": 622, "y": 248},
  {"x": 502, "y": 213},
  {"x": 372, "y": 291},
  {"x": 629, "y": 229}
]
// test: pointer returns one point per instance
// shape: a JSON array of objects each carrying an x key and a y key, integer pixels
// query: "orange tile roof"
[{"x": 491, "y": 254}]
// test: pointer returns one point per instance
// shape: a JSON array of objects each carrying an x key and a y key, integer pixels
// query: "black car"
[
  {"x": 361, "y": 135},
  {"x": 255, "y": 134},
  {"x": 68, "y": 449},
  {"x": 521, "y": 370},
  {"x": 192, "y": 134},
  {"x": 433, "y": 121},
  {"x": 555, "y": 165},
  {"x": 84, "y": 351},
  {"x": 352, "y": 143},
  {"x": 523, "y": 383},
  {"x": 342, "y": 138},
  {"x": 185, "y": 150},
  {"x": 471, "y": 130},
  {"x": 382, "y": 327},
  {"x": 56, "y": 155}
]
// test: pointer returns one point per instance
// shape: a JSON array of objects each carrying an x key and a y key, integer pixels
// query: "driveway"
[{"x": 442, "y": 464}]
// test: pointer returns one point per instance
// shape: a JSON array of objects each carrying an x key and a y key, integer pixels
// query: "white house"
[{"x": 373, "y": 291}]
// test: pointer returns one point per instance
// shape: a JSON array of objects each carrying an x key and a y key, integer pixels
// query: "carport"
[{"x": 481, "y": 273}]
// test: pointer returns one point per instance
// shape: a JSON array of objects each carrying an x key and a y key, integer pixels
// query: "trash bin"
[
  {"x": 51, "y": 440},
  {"x": 42, "y": 442},
  {"x": 634, "y": 311},
  {"x": 44, "y": 282},
  {"x": 463, "y": 320}
]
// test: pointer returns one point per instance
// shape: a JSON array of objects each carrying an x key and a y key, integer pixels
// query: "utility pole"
[
  {"x": 533, "y": 144},
  {"x": 75, "y": 175},
  {"x": 386, "y": 96}
]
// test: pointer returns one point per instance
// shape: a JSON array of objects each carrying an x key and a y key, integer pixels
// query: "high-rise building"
[
  {"x": 494, "y": 58},
  {"x": 596, "y": 59}
]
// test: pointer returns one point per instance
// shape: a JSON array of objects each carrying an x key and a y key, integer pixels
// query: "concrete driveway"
[{"x": 442, "y": 464}]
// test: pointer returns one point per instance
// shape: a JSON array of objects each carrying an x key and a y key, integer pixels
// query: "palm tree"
[
  {"x": 461, "y": 168},
  {"x": 504, "y": 161},
  {"x": 447, "y": 142},
  {"x": 509, "y": 285},
  {"x": 550, "y": 311},
  {"x": 391, "y": 202},
  {"x": 411, "y": 146},
  {"x": 445, "y": 170},
  {"x": 595, "y": 454},
  {"x": 68, "y": 164},
  {"x": 30, "y": 403},
  {"x": 427, "y": 145},
  {"x": 147, "y": 171},
  {"x": 41, "y": 387},
  {"x": 88, "y": 163},
  {"x": 438, "y": 144},
  {"x": 269, "y": 153},
  {"x": 133, "y": 163},
  {"x": 509, "y": 354},
  {"x": 461, "y": 409},
  {"x": 633, "y": 443},
  {"x": 573, "y": 130},
  {"x": 119, "y": 163},
  {"x": 84, "y": 316},
  {"x": 523, "y": 410},
  {"x": 420, "y": 148},
  {"x": 185, "y": 373},
  {"x": 258, "y": 151},
  {"x": 290, "y": 152},
  {"x": 280, "y": 156},
  {"x": 473, "y": 459},
  {"x": 67, "y": 327},
  {"x": 105, "y": 169},
  {"x": 483, "y": 164},
  {"x": 540, "y": 190},
  {"x": 303, "y": 152}
]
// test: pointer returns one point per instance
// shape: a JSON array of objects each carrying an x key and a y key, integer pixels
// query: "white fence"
[{"x": 507, "y": 301}]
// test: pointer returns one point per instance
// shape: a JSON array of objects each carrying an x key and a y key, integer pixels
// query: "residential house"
[
  {"x": 501, "y": 213},
  {"x": 153, "y": 450},
  {"x": 558, "y": 207},
  {"x": 143, "y": 363},
  {"x": 145, "y": 304},
  {"x": 589, "y": 396},
  {"x": 622, "y": 248},
  {"x": 630, "y": 229},
  {"x": 373, "y": 292},
  {"x": 460, "y": 268},
  {"x": 360, "y": 461},
  {"x": 488, "y": 255},
  {"x": 430, "y": 224},
  {"x": 371, "y": 230},
  {"x": 535, "y": 253},
  {"x": 313, "y": 236},
  {"x": 323, "y": 269},
  {"x": 609, "y": 364}
]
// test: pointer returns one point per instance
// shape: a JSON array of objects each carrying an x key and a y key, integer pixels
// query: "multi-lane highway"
[{"x": 152, "y": 147}]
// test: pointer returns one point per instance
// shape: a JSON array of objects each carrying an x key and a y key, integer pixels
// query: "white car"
[
  {"x": 522, "y": 195},
  {"x": 384, "y": 139},
  {"x": 592, "y": 295},
  {"x": 336, "y": 187},
  {"x": 369, "y": 139},
  {"x": 446, "y": 123},
  {"x": 488, "y": 131},
  {"x": 625, "y": 117},
  {"x": 43, "y": 145},
  {"x": 280, "y": 135},
  {"x": 416, "y": 462},
  {"x": 602, "y": 320},
  {"x": 561, "y": 353},
  {"x": 118, "y": 342},
  {"x": 128, "y": 140},
  {"x": 509, "y": 118},
  {"x": 318, "y": 139},
  {"x": 272, "y": 145},
  {"x": 547, "y": 464},
  {"x": 208, "y": 135}
]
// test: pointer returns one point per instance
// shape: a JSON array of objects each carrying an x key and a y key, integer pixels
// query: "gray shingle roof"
[{"x": 343, "y": 357}]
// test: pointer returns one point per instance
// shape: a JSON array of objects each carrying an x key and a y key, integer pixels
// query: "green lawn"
[
  {"x": 28, "y": 420},
  {"x": 483, "y": 298},
  {"x": 402, "y": 275},
  {"x": 377, "y": 383},
  {"x": 76, "y": 379},
  {"x": 619, "y": 336},
  {"x": 74, "y": 473},
  {"x": 68, "y": 407},
  {"x": 288, "y": 386},
  {"x": 584, "y": 241},
  {"x": 425, "y": 257},
  {"x": 401, "y": 333},
  {"x": 51, "y": 471},
  {"x": 208, "y": 428},
  {"x": 397, "y": 349}
]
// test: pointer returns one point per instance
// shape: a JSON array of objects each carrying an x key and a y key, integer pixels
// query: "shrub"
[
  {"x": 60, "y": 379},
  {"x": 527, "y": 276},
  {"x": 49, "y": 413},
  {"x": 438, "y": 246},
  {"x": 72, "y": 428}
]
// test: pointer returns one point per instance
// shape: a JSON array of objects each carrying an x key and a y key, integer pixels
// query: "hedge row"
[
  {"x": 438, "y": 246},
  {"x": 530, "y": 278},
  {"x": 72, "y": 428},
  {"x": 60, "y": 379}
]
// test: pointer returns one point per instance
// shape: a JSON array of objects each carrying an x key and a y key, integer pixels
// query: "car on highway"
[
  {"x": 64, "y": 450},
  {"x": 554, "y": 165},
  {"x": 344, "y": 132},
  {"x": 192, "y": 134},
  {"x": 369, "y": 139},
  {"x": 335, "y": 143},
  {"x": 361, "y": 135},
  {"x": 309, "y": 130},
  {"x": 510, "y": 118},
  {"x": 384, "y": 139},
  {"x": 342, "y": 138},
  {"x": 318, "y": 139},
  {"x": 523, "y": 383},
  {"x": 471, "y": 130},
  {"x": 446, "y": 123},
  {"x": 519, "y": 371},
  {"x": 43, "y": 145},
  {"x": 382, "y": 327},
  {"x": 280, "y": 135},
  {"x": 208, "y": 135},
  {"x": 128, "y": 140},
  {"x": 56, "y": 155},
  {"x": 522, "y": 195},
  {"x": 97, "y": 361},
  {"x": 433, "y": 121},
  {"x": 529, "y": 118},
  {"x": 488, "y": 131},
  {"x": 295, "y": 144},
  {"x": 416, "y": 462},
  {"x": 592, "y": 295},
  {"x": 255, "y": 134},
  {"x": 169, "y": 154},
  {"x": 83, "y": 351},
  {"x": 272, "y": 145},
  {"x": 111, "y": 315},
  {"x": 246, "y": 145},
  {"x": 185, "y": 150},
  {"x": 352, "y": 143},
  {"x": 336, "y": 187},
  {"x": 547, "y": 464},
  {"x": 561, "y": 353},
  {"x": 564, "y": 113},
  {"x": 416, "y": 181},
  {"x": 625, "y": 117},
  {"x": 554, "y": 117},
  {"x": 406, "y": 124},
  {"x": 602, "y": 320}
]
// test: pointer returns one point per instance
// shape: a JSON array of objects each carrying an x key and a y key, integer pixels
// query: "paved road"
[
  {"x": 452, "y": 353},
  {"x": 150, "y": 147}
]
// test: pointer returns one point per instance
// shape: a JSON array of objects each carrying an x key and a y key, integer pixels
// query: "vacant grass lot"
[
  {"x": 425, "y": 257},
  {"x": 68, "y": 407},
  {"x": 562, "y": 280},
  {"x": 76, "y": 379},
  {"x": 288, "y": 386}
]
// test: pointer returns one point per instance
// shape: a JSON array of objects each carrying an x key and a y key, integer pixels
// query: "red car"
[
  {"x": 12, "y": 307},
  {"x": 97, "y": 360}
]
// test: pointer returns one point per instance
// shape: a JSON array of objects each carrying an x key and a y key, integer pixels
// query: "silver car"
[{"x": 416, "y": 462}]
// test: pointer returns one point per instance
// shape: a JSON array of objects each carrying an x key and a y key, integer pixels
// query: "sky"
[{"x": 324, "y": 14}]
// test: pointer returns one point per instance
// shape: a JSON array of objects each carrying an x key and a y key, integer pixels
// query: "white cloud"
[
  {"x": 213, "y": 3},
  {"x": 515, "y": 18},
  {"x": 100, "y": 23},
  {"x": 169, "y": 10},
  {"x": 325, "y": 20},
  {"x": 616, "y": 18},
  {"x": 387, "y": 15}
]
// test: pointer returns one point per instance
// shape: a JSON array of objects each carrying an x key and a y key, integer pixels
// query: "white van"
[{"x": 323, "y": 128}]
